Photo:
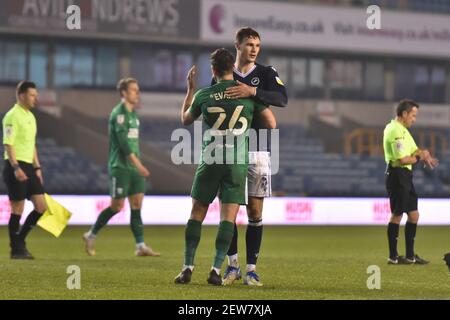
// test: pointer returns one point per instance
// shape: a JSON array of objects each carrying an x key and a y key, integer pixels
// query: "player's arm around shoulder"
[
  {"x": 241, "y": 91},
  {"x": 274, "y": 92}
]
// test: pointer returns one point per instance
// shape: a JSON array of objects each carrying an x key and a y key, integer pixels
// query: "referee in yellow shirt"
[
  {"x": 22, "y": 172},
  {"x": 401, "y": 152}
]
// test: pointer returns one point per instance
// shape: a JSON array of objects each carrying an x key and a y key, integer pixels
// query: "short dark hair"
[
  {"x": 23, "y": 86},
  {"x": 222, "y": 61},
  {"x": 246, "y": 32},
  {"x": 406, "y": 105},
  {"x": 123, "y": 84}
]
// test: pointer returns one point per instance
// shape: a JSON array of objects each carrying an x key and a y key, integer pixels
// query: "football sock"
[
  {"x": 13, "y": 228},
  {"x": 392, "y": 232},
  {"x": 234, "y": 243},
  {"x": 251, "y": 267},
  {"x": 233, "y": 260},
  {"x": 253, "y": 240},
  {"x": 29, "y": 224},
  {"x": 410, "y": 234},
  {"x": 102, "y": 220},
  {"x": 223, "y": 240},
  {"x": 192, "y": 238},
  {"x": 140, "y": 245},
  {"x": 188, "y": 267},
  {"x": 136, "y": 225}
]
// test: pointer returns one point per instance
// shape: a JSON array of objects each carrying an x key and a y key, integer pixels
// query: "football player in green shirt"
[
  {"x": 126, "y": 172},
  {"x": 223, "y": 167}
]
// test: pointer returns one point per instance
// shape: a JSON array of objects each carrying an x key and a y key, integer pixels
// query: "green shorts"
[
  {"x": 228, "y": 181},
  {"x": 125, "y": 182}
]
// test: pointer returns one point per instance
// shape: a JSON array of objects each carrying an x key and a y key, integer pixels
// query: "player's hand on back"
[
  {"x": 20, "y": 175},
  {"x": 240, "y": 91}
]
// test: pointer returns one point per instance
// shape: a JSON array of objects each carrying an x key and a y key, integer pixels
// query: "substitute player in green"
[
  {"x": 401, "y": 152},
  {"x": 126, "y": 172},
  {"x": 224, "y": 163},
  {"x": 22, "y": 172}
]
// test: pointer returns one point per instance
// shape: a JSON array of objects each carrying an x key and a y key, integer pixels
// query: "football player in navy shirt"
[{"x": 263, "y": 84}]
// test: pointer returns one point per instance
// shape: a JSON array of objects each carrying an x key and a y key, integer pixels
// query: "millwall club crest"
[{"x": 255, "y": 81}]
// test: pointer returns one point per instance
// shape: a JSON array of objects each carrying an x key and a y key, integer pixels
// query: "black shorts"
[
  {"x": 18, "y": 191},
  {"x": 400, "y": 189}
]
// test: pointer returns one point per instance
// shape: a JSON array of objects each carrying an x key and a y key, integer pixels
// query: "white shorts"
[{"x": 259, "y": 174}]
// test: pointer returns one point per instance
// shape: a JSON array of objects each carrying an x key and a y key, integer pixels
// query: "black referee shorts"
[
  {"x": 400, "y": 189},
  {"x": 18, "y": 191}
]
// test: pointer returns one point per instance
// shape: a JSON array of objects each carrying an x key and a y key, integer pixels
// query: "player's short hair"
[
  {"x": 23, "y": 86},
  {"x": 406, "y": 105},
  {"x": 123, "y": 84},
  {"x": 222, "y": 61},
  {"x": 246, "y": 32}
]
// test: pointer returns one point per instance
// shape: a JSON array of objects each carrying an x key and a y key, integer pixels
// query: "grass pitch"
[{"x": 295, "y": 263}]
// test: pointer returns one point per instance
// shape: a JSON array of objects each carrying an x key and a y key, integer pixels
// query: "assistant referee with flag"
[
  {"x": 22, "y": 172},
  {"x": 401, "y": 152}
]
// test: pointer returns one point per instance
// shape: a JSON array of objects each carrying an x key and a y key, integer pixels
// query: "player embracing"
[
  {"x": 262, "y": 84},
  {"x": 223, "y": 167}
]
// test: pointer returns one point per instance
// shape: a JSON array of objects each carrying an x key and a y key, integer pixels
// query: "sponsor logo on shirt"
[
  {"x": 9, "y": 131},
  {"x": 279, "y": 81},
  {"x": 133, "y": 133}
]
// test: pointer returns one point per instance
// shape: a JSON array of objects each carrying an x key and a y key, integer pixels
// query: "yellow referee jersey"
[
  {"x": 397, "y": 144},
  {"x": 19, "y": 131}
]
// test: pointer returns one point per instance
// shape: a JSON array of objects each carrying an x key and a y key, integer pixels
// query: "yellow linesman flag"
[{"x": 55, "y": 218}]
